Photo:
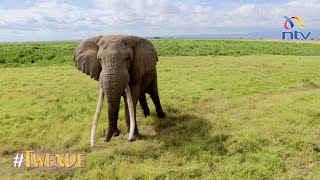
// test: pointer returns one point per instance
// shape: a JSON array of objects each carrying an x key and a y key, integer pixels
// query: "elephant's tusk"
[
  {"x": 131, "y": 112},
  {"x": 96, "y": 116}
]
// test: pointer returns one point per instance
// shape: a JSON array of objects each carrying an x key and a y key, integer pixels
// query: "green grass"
[
  {"x": 247, "y": 117},
  {"x": 15, "y": 54}
]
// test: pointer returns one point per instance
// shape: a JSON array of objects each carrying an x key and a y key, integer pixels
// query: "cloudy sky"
[{"x": 44, "y": 20}]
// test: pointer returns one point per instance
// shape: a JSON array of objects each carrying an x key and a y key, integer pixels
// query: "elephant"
[{"x": 125, "y": 66}]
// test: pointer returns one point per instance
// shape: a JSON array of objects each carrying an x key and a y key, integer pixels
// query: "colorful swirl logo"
[{"x": 288, "y": 20}]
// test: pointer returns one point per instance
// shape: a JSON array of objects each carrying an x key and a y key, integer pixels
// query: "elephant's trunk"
[
  {"x": 114, "y": 83},
  {"x": 113, "y": 92}
]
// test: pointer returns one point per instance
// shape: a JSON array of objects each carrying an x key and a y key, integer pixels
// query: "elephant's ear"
[
  {"x": 144, "y": 57},
  {"x": 85, "y": 57}
]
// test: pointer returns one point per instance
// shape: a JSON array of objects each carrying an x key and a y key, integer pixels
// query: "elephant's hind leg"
[
  {"x": 144, "y": 105},
  {"x": 153, "y": 91}
]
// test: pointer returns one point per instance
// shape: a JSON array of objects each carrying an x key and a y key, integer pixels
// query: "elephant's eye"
[{"x": 99, "y": 59}]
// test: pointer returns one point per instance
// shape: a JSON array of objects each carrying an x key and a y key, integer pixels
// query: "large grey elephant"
[{"x": 125, "y": 66}]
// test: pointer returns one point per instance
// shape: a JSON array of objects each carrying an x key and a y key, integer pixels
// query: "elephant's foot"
[
  {"x": 161, "y": 114},
  {"x": 110, "y": 133},
  {"x": 134, "y": 137},
  {"x": 116, "y": 133},
  {"x": 146, "y": 111}
]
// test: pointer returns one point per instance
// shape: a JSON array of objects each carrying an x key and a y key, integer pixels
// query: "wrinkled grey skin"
[{"x": 117, "y": 61}]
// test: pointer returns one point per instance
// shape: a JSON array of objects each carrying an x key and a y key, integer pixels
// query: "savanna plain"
[{"x": 235, "y": 110}]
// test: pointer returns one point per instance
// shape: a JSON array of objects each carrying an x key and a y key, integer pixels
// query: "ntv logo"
[{"x": 288, "y": 24}]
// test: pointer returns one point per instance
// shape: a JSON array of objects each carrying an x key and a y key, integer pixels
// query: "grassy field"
[
  {"x": 229, "y": 117},
  {"x": 15, "y": 54}
]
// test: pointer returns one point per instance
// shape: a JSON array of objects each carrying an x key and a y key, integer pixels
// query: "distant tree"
[{"x": 156, "y": 37}]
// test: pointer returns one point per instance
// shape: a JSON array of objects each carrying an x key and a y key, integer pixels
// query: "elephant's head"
[{"x": 115, "y": 61}]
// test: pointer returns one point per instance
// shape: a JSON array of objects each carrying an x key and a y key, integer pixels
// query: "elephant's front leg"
[{"x": 134, "y": 93}]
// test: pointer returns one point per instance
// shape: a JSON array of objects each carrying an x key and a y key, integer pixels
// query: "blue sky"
[{"x": 45, "y": 20}]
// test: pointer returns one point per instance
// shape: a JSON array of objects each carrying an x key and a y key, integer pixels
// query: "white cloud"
[{"x": 56, "y": 19}]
